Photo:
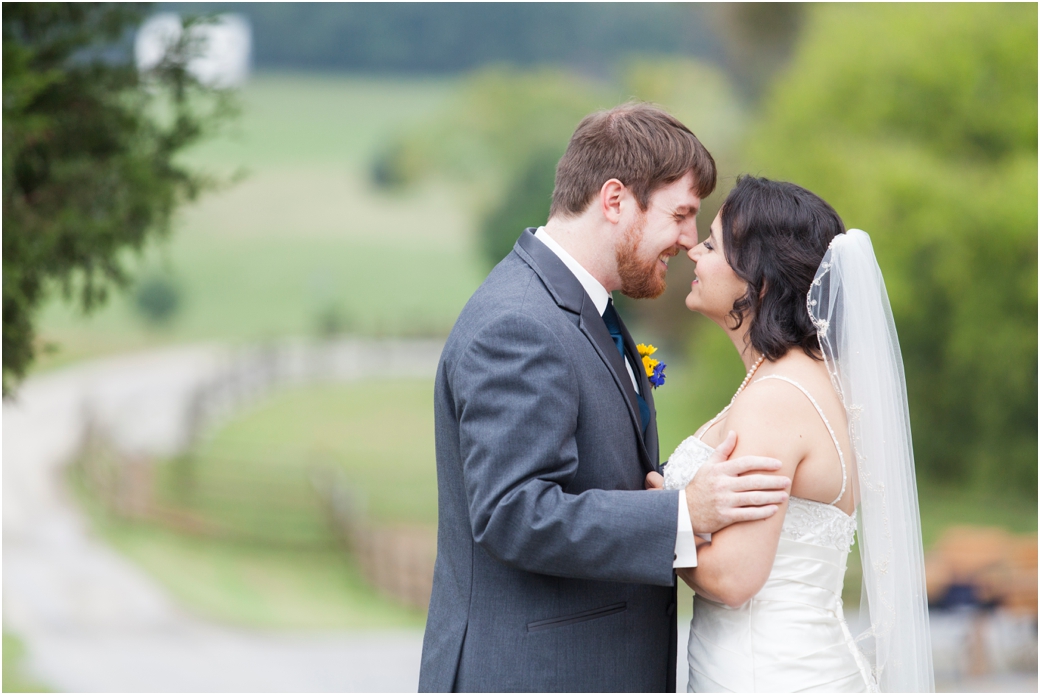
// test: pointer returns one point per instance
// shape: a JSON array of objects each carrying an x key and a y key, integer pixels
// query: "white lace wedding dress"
[{"x": 791, "y": 636}]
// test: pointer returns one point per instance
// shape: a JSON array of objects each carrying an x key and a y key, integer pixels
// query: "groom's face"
[{"x": 666, "y": 228}]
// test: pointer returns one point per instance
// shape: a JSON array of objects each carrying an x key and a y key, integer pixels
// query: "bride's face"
[{"x": 717, "y": 285}]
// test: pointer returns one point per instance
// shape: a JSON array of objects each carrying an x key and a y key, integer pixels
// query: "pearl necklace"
[
  {"x": 743, "y": 385},
  {"x": 751, "y": 373}
]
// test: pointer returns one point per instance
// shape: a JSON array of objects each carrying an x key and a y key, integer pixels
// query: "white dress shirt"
[{"x": 685, "y": 545}]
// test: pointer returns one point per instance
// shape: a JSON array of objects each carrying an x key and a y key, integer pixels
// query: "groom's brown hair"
[{"x": 640, "y": 145}]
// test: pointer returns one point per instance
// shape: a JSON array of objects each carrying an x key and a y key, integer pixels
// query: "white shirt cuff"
[{"x": 685, "y": 545}]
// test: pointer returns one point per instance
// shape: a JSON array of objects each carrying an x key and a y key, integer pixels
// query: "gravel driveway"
[{"x": 91, "y": 620}]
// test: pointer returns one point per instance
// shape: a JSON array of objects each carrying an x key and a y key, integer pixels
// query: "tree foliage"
[
  {"x": 758, "y": 40},
  {"x": 157, "y": 300},
  {"x": 90, "y": 156},
  {"x": 506, "y": 130},
  {"x": 499, "y": 119},
  {"x": 918, "y": 123},
  {"x": 448, "y": 37},
  {"x": 525, "y": 203},
  {"x": 501, "y": 137}
]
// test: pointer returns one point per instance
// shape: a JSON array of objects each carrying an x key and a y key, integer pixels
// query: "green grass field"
[
  {"x": 380, "y": 434},
  {"x": 314, "y": 119},
  {"x": 258, "y": 586},
  {"x": 304, "y": 234}
]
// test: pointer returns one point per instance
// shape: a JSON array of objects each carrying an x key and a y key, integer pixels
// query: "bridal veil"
[{"x": 849, "y": 306}]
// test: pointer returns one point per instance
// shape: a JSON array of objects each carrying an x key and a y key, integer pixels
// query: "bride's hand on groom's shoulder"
[{"x": 725, "y": 491}]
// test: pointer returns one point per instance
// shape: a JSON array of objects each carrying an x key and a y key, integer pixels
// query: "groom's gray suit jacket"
[{"x": 554, "y": 566}]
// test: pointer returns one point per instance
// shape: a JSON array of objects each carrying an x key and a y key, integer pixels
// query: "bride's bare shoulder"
[
  {"x": 767, "y": 400},
  {"x": 773, "y": 410},
  {"x": 770, "y": 420},
  {"x": 812, "y": 375}
]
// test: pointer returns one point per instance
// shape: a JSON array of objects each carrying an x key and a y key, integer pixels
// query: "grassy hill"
[{"x": 304, "y": 239}]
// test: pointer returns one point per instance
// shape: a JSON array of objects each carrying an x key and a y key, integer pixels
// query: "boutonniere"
[{"x": 654, "y": 368}]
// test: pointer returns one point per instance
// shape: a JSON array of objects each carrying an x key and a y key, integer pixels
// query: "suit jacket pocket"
[{"x": 577, "y": 617}]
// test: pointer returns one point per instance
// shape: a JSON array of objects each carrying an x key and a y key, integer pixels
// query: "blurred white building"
[{"x": 224, "y": 52}]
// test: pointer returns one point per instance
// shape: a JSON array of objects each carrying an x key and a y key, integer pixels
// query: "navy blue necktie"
[{"x": 613, "y": 321}]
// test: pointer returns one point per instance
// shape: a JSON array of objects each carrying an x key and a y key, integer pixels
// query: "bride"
[{"x": 805, "y": 305}]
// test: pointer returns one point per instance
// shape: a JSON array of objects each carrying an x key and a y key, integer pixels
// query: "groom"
[{"x": 555, "y": 568}]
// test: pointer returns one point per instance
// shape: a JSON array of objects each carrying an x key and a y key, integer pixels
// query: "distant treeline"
[{"x": 451, "y": 37}]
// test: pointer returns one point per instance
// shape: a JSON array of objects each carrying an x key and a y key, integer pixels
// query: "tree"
[
  {"x": 918, "y": 123},
  {"x": 501, "y": 138},
  {"x": 90, "y": 156},
  {"x": 448, "y": 37},
  {"x": 759, "y": 38},
  {"x": 525, "y": 203},
  {"x": 508, "y": 128}
]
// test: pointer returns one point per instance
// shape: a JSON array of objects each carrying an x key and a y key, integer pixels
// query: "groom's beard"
[{"x": 641, "y": 278}]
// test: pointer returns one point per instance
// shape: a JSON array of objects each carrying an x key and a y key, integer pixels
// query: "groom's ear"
[{"x": 611, "y": 200}]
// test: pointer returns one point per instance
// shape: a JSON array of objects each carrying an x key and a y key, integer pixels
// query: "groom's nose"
[{"x": 686, "y": 240}]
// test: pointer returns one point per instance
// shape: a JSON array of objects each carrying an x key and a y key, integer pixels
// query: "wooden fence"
[
  {"x": 397, "y": 559},
  {"x": 238, "y": 507}
]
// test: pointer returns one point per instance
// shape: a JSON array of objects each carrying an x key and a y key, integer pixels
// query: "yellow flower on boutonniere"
[{"x": 654, "y": 368}]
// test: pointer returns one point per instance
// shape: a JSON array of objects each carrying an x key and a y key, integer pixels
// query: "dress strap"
[
  {"x": 711, "y": 422},
  {"x": 841, "y": 458}
]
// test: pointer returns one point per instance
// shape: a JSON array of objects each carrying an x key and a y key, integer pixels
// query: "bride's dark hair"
[{"x": 775, "y": 235}]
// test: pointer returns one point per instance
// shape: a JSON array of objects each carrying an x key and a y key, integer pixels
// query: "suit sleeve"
[{"x": 517, "y": 406}]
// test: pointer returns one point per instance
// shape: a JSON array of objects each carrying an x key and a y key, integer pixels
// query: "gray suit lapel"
[{"x": 571, "y": 296}]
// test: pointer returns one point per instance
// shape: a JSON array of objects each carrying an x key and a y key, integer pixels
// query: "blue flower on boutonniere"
[
  {"x": 657, "y": 378},
  {"x": 654, "y": 368}
]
